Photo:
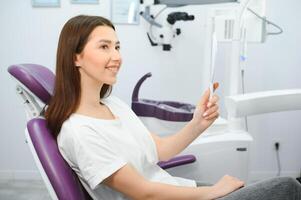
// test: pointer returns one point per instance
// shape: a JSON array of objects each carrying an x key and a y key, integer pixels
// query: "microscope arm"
[
  {"x": 263, "y": 102},
  {"x": 177, "y": 3}
]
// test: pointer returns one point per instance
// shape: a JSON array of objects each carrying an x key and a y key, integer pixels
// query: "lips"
[{"x": 113, "y": 68}]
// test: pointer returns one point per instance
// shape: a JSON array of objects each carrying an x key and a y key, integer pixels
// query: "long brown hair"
[{"x": 67, "y": 89}]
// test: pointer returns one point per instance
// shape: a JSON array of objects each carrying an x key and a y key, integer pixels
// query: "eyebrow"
[{"x": 108, "y": 41}]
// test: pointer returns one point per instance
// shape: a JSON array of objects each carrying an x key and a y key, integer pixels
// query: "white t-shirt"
[{"x": 96, "y": 148}]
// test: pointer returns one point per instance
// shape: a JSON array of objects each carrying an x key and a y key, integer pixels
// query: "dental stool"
[{"x": 35, "y": 85}]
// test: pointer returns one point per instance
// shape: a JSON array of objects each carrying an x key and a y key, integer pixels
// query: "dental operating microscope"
[{"x": 167, "y": 29}]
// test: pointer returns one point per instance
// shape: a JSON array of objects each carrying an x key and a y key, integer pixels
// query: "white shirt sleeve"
[{"x": 95, "y": 156}]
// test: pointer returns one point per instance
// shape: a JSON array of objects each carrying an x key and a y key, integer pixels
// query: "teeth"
[{"x": 113, "y": 69}]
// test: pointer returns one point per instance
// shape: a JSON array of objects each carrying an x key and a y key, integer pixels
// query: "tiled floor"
[{"x": 23, "y": 190}]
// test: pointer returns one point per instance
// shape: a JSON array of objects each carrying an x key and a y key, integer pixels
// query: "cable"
[
  {"x": 299, "y": 178},
  {"x": 268, "y": 22},
  {"x": 243, "y": 91},
  {"x": 151, "y": 25},
  {"x": 245, "y": 5},
  {"x": 278, "y": 158}
]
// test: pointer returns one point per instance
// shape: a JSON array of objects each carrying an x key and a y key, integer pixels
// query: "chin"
[{"x": 111, "y": 82}]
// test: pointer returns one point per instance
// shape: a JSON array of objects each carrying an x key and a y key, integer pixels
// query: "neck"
[{"x": 90, "y": 90}]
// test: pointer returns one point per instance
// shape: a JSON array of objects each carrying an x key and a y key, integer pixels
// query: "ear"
[{"x": 78, "y": 60}]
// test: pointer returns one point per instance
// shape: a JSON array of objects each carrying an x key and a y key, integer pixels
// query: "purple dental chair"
[
  {"x": 35, "y": 85},
  {"x": 163, "y": 110}
]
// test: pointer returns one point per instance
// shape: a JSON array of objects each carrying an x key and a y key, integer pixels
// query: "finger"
[
  {"x": 206, "y": 95},
  {"x": 212, "y": 101},
  {"x": 212, "y": 116},
  {"x": 210, "y": 110},
  {"x": 204, "y": 98},
  {"x": 238, "y": 180},
  {"x": 240, "y": 184},
  {"x": 212, "y": 119}
]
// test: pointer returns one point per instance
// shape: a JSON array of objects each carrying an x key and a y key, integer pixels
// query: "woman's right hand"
[{"x": 226, "y": 185}]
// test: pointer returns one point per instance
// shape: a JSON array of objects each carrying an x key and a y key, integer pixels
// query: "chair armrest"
[{"x": 177, "y": 161}]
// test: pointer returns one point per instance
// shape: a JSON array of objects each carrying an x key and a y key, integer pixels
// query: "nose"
[{"x": 116, "y": 56}]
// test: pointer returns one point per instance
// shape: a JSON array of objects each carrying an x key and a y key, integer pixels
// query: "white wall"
[
  {"x": 277, "y": 65},
  {"x": 29, "y": 35}
]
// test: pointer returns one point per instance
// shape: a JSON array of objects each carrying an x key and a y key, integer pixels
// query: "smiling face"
[{"x": 100, "y": 59}]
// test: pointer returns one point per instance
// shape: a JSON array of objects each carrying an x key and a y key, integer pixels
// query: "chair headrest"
[{"x": 37, "y": 78}]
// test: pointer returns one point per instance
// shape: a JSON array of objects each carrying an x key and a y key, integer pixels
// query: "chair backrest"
[
  {"x": 40, "y": 81},
  {"x": 62, "y": 178}
]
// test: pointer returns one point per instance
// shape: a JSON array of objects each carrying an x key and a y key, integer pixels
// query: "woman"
[{"x": 103, "y": 140}]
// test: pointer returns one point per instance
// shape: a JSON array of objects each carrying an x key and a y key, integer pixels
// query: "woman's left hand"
[{"x": 206, "y": 111}]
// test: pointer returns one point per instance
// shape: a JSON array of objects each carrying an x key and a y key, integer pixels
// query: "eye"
[
  {"x": 104, "y": 46},
  {"x": 117, "y": 48}
]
